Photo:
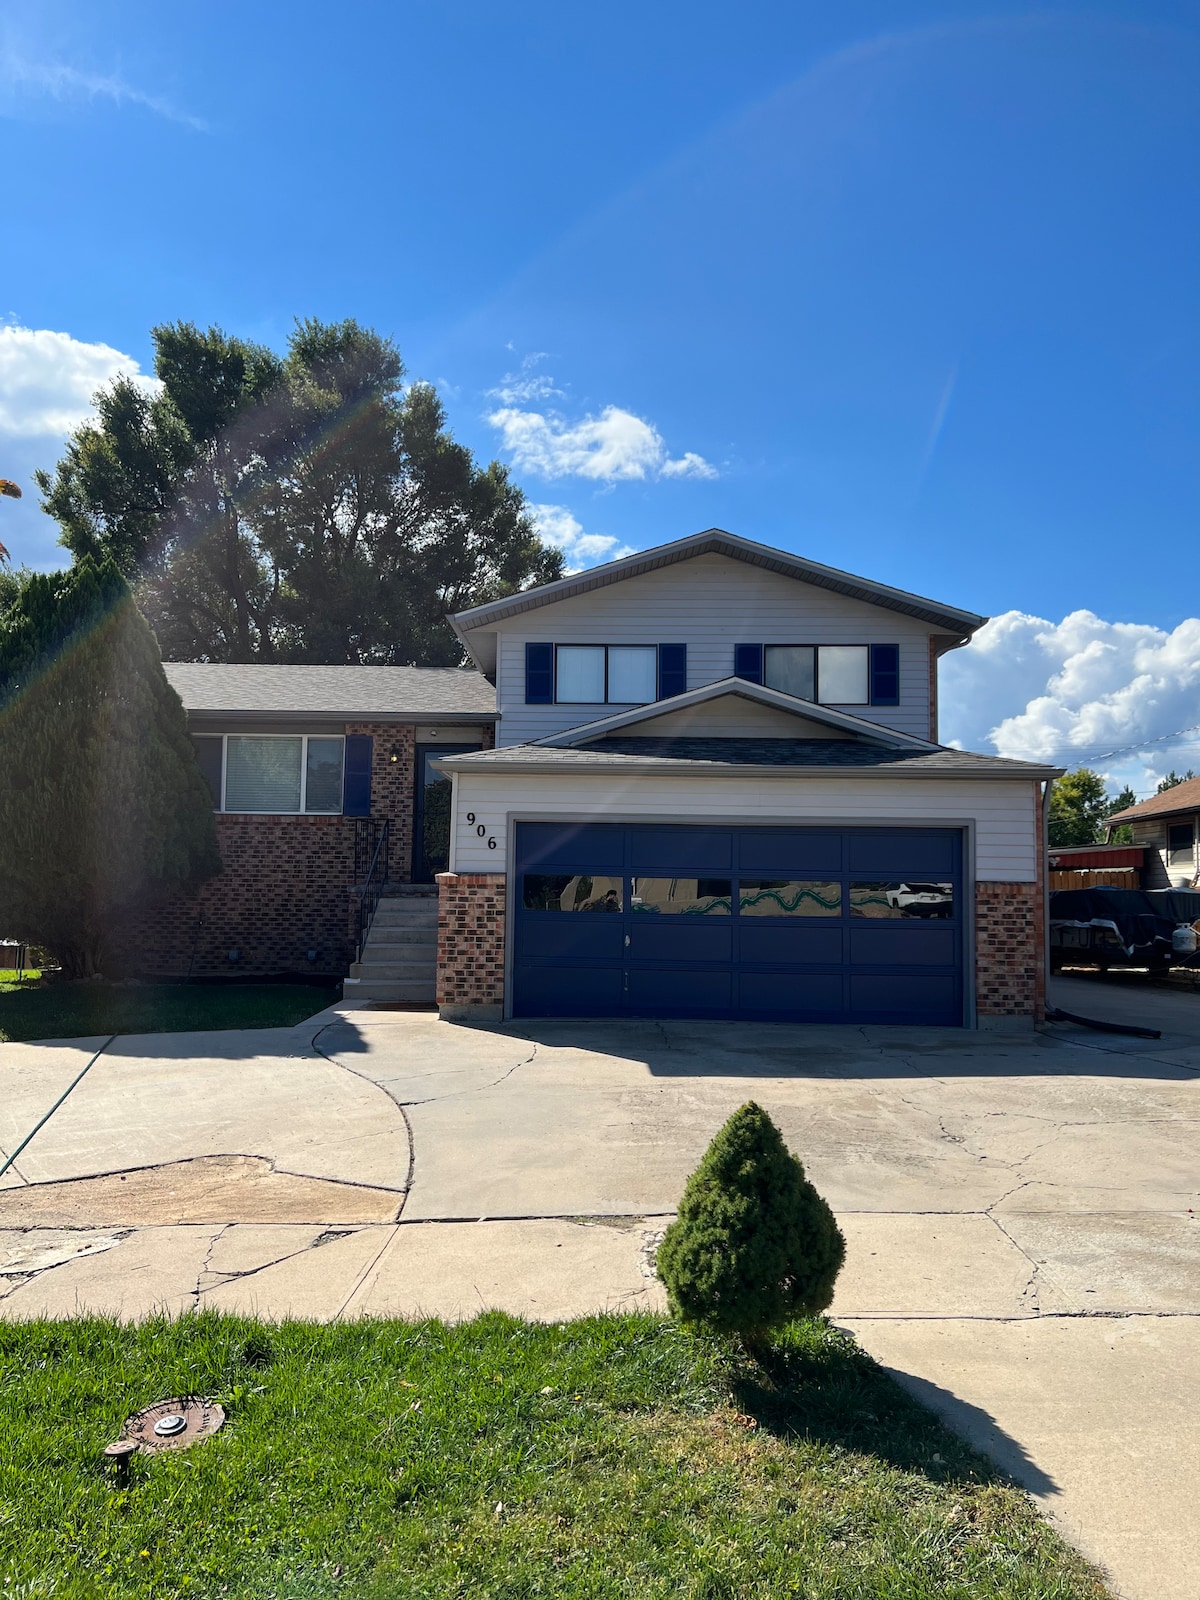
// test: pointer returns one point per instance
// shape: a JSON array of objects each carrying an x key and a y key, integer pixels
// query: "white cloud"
[
  {"x": 47, "y": 380},
  {"x": 1072, "y": 691},
  {"x": 518, "y": 388},
  {"x": 613, "y": 447},
  {"x": 557, "y": 526},
  {"x": 21, "y": 75}
]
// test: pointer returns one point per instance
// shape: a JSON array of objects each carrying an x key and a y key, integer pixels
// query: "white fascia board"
[
  {"x": 705, "y": 770},
  {"x": 738, "y": 548},
  {"x": 875, "y": 732}
]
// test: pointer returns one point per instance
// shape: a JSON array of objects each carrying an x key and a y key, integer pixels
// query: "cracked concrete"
[{"x": 1020, "y": 1211}]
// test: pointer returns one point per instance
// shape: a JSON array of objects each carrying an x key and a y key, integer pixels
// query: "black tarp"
[
  {"x": 1181, "y": 905},
  {"x": 1144, "y": 931}
]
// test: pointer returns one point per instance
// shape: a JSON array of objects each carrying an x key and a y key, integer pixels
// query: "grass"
[
  {"x": 613, "y": 1457},
  {"x": 74, "y": 1010}
]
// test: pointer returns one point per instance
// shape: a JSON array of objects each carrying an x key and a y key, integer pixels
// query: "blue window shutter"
[
  {"x": 539, "y": 674},
  {"x": 747, "y": 662},
  {"x": 885, "y": 674},
  {"x": 672, "y": 670},
  {"x": 356, "y": 775}
]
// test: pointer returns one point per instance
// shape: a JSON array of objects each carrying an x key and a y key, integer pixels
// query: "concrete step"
[
  {"x": 401, "y": 938},
  {"x": 398, "y": 992},
  {"x": 401, "y": 971},
  {"x": 405, "y": 917}
]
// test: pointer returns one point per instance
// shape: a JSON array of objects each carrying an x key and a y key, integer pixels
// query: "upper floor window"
[
  {"x": 604, "y": 674},
  {"x": 274, "y": 773},
  {"x": 830, "y": 674}
]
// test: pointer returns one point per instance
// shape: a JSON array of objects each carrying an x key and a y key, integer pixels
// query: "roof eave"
[
  {"x": 665, "y": 767},
  {"x": 798, "y": 567}
]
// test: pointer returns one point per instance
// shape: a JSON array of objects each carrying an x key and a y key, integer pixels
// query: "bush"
[{"x": 754, "y": 1245}]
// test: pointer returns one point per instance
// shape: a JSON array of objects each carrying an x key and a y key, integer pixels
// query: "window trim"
[
  {"x": 849, "y": 644},
  {"x": 223, "y": 810},
  {"x": 588, "y": 644}
]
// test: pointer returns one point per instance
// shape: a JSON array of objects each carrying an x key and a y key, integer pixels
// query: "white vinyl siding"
[
  {"x": 710, "y": 604},
  {"x": 1003, "y": 813}
]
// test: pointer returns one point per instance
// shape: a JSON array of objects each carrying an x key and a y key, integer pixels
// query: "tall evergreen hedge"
[
  {"x": 754, "y": 1245},
  {"x": 103, "y": 807}
]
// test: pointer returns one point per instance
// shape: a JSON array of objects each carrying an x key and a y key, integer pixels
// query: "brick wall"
[
  {"x": 1010, "y": 967},
  {"x": 285, "y": 889},
  {"x": 470, "y": 939}
]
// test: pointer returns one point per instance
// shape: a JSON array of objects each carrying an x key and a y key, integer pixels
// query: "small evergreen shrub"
[{"x": 754, "y": 1245}]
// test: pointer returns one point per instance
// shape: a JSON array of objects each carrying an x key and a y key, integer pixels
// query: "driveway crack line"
[{"x": 75, "y": 1082}]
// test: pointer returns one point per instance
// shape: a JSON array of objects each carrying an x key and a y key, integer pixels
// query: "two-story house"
[{"x": 717, "y": 792}]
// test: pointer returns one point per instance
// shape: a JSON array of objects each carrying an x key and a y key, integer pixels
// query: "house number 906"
[{"x": 481, "y": 830}]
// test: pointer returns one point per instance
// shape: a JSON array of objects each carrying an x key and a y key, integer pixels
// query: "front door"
[{"x": 431, "y": 827}]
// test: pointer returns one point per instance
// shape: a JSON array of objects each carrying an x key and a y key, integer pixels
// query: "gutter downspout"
[{"x": 1043, "y": 874}]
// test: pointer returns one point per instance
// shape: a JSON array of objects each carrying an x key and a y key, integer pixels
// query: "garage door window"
[
  {"x": 557, "y": 892},
  {"x": 789, "y": 897},
  {"x": 689, "y": 897},
  {"x": 893, "y": 901}
]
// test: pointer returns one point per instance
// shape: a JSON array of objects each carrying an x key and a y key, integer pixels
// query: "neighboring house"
[
  {"x": 305, "y": 765},
  {"x": 717, "y": 791},
  {"x": 1168, "y": 826}
]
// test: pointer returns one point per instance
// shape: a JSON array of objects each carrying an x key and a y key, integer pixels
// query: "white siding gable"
[{"x": 710, "y": 603}]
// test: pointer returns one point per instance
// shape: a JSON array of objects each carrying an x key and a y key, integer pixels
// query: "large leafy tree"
[
  {"x": 1078, "y": 806},
  {"x": 103, "y": 808},
  {"x": 305, "y": 508}
]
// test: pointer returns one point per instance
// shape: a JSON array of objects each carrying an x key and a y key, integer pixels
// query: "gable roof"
[
  {"x": 715, "y": 541},
  {"x": 776, "y": 758},
  {"x": 1183, "y": 797},
  {"x": 806, "y": 711},
  {"x": 381, "y": 694}
]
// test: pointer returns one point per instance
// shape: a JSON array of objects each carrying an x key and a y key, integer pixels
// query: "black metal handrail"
[{"x": 371, "y": 886}]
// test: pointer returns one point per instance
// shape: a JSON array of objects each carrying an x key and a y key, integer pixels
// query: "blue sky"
[{"x": 909, "y": 289}]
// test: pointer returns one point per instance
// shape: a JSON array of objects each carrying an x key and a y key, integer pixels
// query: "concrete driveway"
[{"x": 1021, "y": 1211}]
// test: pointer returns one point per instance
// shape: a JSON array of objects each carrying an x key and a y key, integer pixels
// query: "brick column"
[
  {"x": 1010, "y": 957},
  {"x": 470, "y": 948}
]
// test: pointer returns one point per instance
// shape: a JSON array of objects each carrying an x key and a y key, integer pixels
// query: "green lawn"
[
  {"x": 610, "y": 1457},
  {"x": 72, "y": 1010}
]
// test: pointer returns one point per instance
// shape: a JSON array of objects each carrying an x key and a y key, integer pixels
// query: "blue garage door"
[{"x": 805, "y": 924}]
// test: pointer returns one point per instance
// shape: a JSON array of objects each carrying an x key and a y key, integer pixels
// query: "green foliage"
[
  {"x": 754, "y": 1244},
  {"x": 305, "y": 508},
  {"x": 1123, "y": 832},
  {"x": 30, "y": 1010},
  {"x": 1078, "y": 806},
  {"x": 102, "y": 804},
  {"x": 611, "y": 1458},
  {"x": 1173, "y": 780}
]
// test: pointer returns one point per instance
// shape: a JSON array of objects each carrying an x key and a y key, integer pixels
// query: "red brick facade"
[
  {"x": 286, "y": 887},
  {"x": 470, "y": 939},
  {"x": 1010, "y": 956}
]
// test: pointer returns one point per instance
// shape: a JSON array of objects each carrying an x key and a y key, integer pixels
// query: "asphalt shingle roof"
[
  {"x": 698, "y": 755},
  {"x": 1184, "y": 796},
  {"x": 332, "y": 691}
]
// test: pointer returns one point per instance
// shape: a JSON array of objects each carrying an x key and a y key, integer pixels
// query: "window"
[
  {"x": 595, "y": 674},
  {"x": 842, "y": 674},
  {"x": 689, "y": 897},
  {"x": 580, "y": 674},
  {"x": 1181, "y": 838},
  {"x": 210, "y": 753},
  {"x": 891, "y": 901},
  {"x": 282, "y": 774},
  {"x": 832, "y": 674},
  {"x": 785, "y": 897},
  {"x": 632, "y": 674},
  {"x": 557, "y": 892},
  {"x": 792, "y": 668}
]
